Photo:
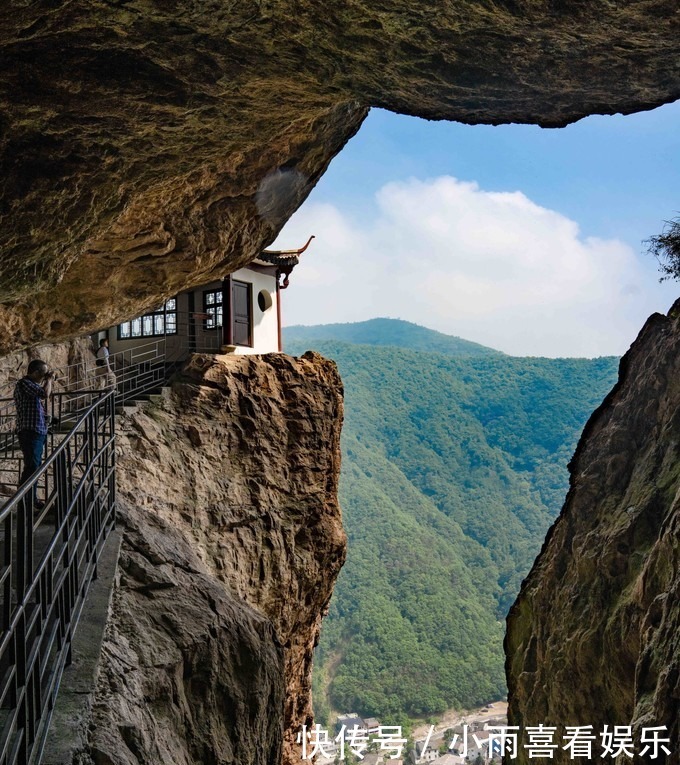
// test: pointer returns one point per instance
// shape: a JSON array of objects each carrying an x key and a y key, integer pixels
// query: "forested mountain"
[
  {"x": 394, "y": 332},
  {"x": 454, "y": 466}
]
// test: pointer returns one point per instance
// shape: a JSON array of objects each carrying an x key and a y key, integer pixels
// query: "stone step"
[
  {"x": 156, "y": 396},
  {"x": 127, "y": 408}
]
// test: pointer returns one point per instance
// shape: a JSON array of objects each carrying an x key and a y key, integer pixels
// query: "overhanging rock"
[{"x": 150, "y": 146}]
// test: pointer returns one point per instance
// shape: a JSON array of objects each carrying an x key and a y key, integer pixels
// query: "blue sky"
[{"x": 526, "y": 239}]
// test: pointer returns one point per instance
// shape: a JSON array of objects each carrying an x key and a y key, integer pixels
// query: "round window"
[{"x": 264, "y": 300}]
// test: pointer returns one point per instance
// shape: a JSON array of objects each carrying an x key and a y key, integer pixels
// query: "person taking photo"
[{"x": 31, "y": 394}]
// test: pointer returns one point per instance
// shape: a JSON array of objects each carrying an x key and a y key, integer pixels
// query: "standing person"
[
  {"x": 31, "y": 394},
  {"x": 104, "y": 364}
]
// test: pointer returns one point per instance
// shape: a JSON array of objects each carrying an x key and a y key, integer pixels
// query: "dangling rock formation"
[
  {"x": 594, "y": 637},
  {"x": 232, "y": 540},
  {"x": 149, "y": 146}
]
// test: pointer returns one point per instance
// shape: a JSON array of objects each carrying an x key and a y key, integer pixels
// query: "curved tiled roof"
[
  {"x": 278, "y": 259},
  {"x": 288, "y": 258}
]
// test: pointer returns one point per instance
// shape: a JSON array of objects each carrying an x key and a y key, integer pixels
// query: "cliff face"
[
  {"x": 148, "y": 146},
  {"x": 74, "y": 362},
  {"x": 232, "y": 543},
  {"x": 594, "y": 637}
]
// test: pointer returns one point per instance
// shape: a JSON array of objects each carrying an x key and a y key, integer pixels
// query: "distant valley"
[{"x": 454, "y": 467}]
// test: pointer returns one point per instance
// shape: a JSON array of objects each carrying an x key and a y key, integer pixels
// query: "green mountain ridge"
[
  {"x": 454, "y": 466},
  {"x": 392, "y": 332}
]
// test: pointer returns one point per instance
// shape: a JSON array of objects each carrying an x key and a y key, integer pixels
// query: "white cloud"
[{"x": 493, "y": 267}]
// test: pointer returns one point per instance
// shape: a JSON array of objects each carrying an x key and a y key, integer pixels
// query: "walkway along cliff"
[{"x": 231, "y": 543}]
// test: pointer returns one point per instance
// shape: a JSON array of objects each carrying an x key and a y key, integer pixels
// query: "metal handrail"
[
  {"x": 137, "y": 369},
  {"x": 64, "y": 408},
  {"x": 210, "y": 339},
  {"x": 48, "y": 558},
  {"x": 47, "y": 563},
  {"x": 81, "y": 375}
]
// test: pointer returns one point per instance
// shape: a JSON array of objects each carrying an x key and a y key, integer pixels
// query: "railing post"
[
  {"x": 24, "y": 552},
  {"x": 20, "y": 685},
  {"x": 62, "y": 483},
  {"x": 7, "y": 563}
]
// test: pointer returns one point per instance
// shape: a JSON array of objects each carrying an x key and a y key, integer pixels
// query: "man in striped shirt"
[{"x": 31, "y": 394}]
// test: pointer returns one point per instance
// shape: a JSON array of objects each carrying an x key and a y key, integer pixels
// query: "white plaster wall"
[{"x": 265, "y": 324}]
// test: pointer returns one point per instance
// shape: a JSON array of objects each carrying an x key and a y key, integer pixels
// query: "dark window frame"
[
  {"x": 211, "y": 308},
  {"x": 164, "y": 312}
]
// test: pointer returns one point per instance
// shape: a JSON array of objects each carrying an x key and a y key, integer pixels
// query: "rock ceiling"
[{"x": 151, "y": 145}]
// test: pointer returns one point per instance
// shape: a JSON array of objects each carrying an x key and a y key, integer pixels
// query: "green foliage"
[
  {"x": 394, "y": 332},
  {"x": 666, "y": 249},
  {"x": 322, "y": 710},
  {"x": 454, "y": 466}
]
